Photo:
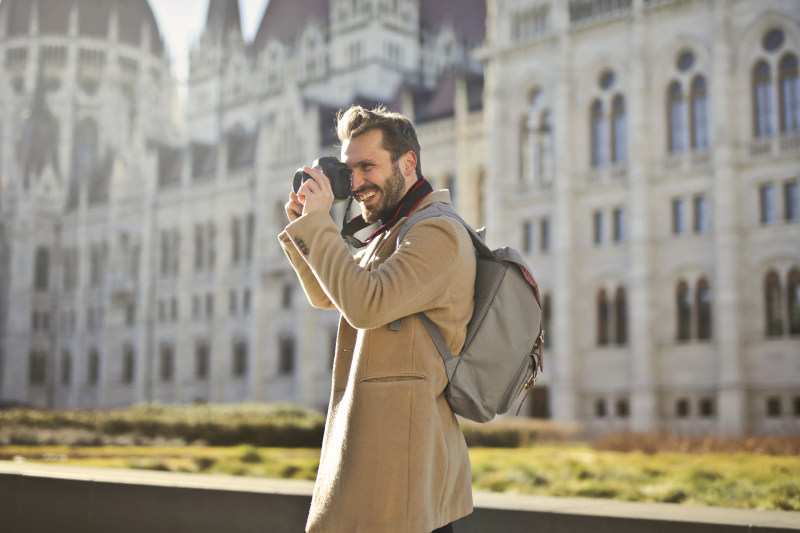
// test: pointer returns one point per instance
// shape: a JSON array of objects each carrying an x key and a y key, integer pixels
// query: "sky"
[{"x": 181, "y": 22}]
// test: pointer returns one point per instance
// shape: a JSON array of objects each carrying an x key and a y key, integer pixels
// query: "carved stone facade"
[{"x": 644, "y": 154}]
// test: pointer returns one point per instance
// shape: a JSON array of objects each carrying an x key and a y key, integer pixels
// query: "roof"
[
  {"x": 467, "y": 17},
  {"x": 93, "y": 19},
  {"x": 223, "y": 17},
  {"x": 284, "y": 20}
]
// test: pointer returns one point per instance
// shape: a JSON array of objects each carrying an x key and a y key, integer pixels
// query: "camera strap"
[{"x": 351, "y": 231}]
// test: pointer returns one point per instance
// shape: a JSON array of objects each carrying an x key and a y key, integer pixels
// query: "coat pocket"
[{"x": 394, "y": 378}]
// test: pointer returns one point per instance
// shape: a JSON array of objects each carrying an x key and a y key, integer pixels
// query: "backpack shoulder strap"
[{"x": 436, "y": 210}]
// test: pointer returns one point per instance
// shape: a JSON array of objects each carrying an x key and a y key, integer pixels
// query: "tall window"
[
  {"x": 544, "y": 234},
  {"x": 619, "y": 224},
  {"x": 700, "y": 214},
  {"x": 598, "y": 227},
  {"x": 683, "y": 305},
  {"x": 619, "y": 133},
  {"x": 763, "y": 105},
  {"x": 766, "y": 195},
  {"x": 527, "y": 236},
  {"x": 201, "y": 360},
  {"x": 676, "y": 112},
  {"x": 789, "y": 85},
  {"x": 166, "y": 366},
  {"x": 621, "y": 316},
  {"x": 128, "y": 364},
  {"x": 772, "y": 305},
  {"x": 678, "y": 216},
  {"x": 239, "y": 359},
  {"x": 286, "y": 350},
  {"x": 545, "y": 169},
  {"x": 526, "y": 149},
  {"x": 536, "y": 141},
  {"x": 599, "y": 142},
  {"x": 699, "y": 113},
  {"x": 703, "y": 306},
  {"x": 791, "y": 200},
  {"x": 793, "y": 299},
  {"x": 66, "y": 367},
  {"x": 235, "y": 240},
  {"x": 42, "y": 268},
  {"x": 37, "y": 368},
  {"x": 93, "y": 368},
  {"x": 198, "y": 247},
  {"x": 603, "y": 318}
]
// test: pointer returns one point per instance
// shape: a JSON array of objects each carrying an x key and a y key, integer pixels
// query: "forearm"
[{"x": 409, "y": 281}]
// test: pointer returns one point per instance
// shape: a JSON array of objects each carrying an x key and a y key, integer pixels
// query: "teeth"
[{"x": 366, "y": 196}]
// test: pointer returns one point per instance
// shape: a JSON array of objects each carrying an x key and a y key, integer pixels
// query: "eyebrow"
[{"x": 361, "y": 164}]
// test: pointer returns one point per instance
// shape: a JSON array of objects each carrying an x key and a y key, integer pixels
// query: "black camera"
[{"x": 336, "y": 171}]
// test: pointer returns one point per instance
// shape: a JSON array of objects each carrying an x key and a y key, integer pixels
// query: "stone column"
[
  {"x": 728, "y": 328},
  {"x": 565, "y": 398},
  {"x": 642, "y": 351}
]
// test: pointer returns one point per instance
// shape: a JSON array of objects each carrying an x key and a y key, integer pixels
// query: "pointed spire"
[
  {"x": 38, "y": 144},
  {"x": 223, "y": 17}
]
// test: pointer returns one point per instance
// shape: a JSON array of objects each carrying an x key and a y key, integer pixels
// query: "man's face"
[{"x": 378, "y": 184}]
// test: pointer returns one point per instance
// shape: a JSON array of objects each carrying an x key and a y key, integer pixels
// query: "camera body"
[{"x": 337, "y": 173}]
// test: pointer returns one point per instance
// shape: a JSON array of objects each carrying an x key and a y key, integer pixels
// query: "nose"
[{"x": 356, "y": 179}]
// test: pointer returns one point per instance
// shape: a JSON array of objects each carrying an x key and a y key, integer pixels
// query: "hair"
[{"x": 399, "y": 136}]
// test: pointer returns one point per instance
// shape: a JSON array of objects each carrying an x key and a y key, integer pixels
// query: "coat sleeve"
[
  {"x": 316, "y": 296},
  {"x": 411, "y": 280}
]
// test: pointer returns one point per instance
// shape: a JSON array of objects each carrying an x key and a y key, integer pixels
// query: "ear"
[{"x": 408, "y": 164}]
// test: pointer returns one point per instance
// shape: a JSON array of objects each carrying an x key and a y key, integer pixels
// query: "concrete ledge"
[{"x": 42, "y": 498}]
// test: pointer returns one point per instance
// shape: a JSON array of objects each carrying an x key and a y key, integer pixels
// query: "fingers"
[{"x": 294, "y": 208}]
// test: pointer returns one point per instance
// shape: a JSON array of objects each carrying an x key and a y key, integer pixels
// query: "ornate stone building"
[{"x": 644, "y": 154}]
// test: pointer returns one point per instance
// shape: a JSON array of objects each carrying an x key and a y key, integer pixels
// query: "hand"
[
  {"x": 294, "y": 209},
  {"x": 315, "y": 194}
]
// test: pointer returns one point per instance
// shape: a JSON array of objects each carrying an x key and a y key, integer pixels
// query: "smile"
[{"x": 363, "y": 197}]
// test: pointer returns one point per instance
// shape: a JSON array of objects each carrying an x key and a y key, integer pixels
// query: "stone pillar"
[
  {"x": 728, "y": 328},
  {"x": 565, "y": 400},
  {"x": 642, "y": 350}
]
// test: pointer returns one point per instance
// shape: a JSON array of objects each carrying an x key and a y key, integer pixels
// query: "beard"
[{"x": 392, "y": 192}]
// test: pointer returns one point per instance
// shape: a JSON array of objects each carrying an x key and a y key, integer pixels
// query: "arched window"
[
  {"x": 621, "y": 316},
  {"x": 546, "y": 159},
  {"x": 790, "y": 95},
  {"x": 526, "y": 149},
  {"x": 699, "y": 113},
  {"x": 676, "y": 111},
  {"x": 703, "y": 306},
  {"x": 598, "y": 123},
  {"x": 772, "y": 304},
  {"x": 683, "y": 304},
  {"x": 286, "y": 356},
  {"x": 42, "y": 268},
  {"x": 793, "y": 298},
  {"x": 619, "y": 134},
  {"x": 603, "y": 318},
  {"x": 763, "y": 104}
]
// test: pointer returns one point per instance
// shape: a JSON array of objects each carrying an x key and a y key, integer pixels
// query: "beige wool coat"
[{"x": 393, "y": 457}]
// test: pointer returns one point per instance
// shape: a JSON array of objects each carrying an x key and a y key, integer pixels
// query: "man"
[{"x": 393, "y": 456}]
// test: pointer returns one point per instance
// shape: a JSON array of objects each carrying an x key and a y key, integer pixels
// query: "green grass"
[{"x": 743, "y": 480}]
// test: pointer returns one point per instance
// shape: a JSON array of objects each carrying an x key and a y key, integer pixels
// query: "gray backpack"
[{"x": 502, "y": 353}]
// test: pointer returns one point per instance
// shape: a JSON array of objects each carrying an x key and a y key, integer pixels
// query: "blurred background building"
[{"x": 644, "y": 155}]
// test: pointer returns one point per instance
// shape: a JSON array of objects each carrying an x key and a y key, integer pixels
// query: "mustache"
[{"x": 364, "y": 189}]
